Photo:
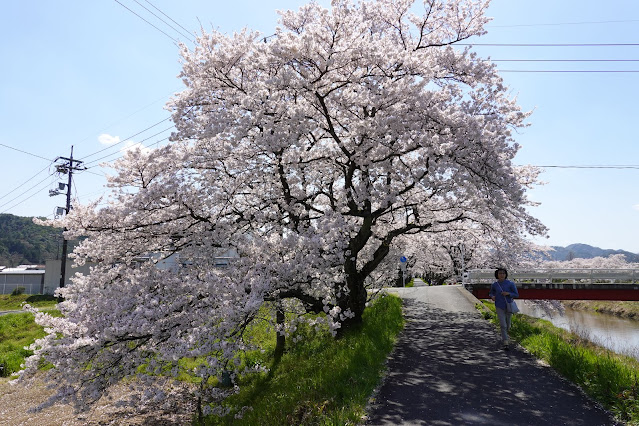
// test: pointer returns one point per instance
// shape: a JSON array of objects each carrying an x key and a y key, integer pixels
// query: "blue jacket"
[{"x": 506, "y": 285}]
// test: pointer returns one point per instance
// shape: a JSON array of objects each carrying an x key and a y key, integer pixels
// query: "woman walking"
[{"x": 502, "y": 292}]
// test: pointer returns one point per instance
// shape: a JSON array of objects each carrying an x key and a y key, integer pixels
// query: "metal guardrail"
[
  {"x": 556, "y": 276},
  {"x": 561, "y": 284}
]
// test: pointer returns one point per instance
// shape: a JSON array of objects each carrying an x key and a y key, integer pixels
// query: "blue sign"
[{"x": 403, "y": 259}]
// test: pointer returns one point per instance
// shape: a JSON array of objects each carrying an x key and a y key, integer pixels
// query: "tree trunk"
[
  {"x": 281, "y": 338},
  {"x": 355, "y": 301}
]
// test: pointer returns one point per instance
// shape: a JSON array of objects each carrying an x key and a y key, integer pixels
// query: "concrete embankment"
[{"x": 448, "y": 369}]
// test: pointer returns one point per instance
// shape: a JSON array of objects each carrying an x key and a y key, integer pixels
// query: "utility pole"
[
  {"x": 461, "y": 250},
  {"x": 68, "y": 166}
]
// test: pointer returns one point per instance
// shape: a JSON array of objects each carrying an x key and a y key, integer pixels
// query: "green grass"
[
  {"x": 16, "y": 332},
  {"x": 609, "y": 378},
  {"x": 320, "y": 380},
  {"x": 14, "y": 303}
]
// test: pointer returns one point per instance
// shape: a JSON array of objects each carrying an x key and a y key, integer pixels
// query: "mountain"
[
  {"x": 24, "y": 242},
  {"x": 584, "y": 251}
]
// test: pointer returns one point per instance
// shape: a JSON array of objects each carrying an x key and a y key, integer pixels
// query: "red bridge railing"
[{"x": 561, "y": 284}]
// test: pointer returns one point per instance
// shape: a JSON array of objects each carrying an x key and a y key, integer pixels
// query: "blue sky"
[{"x": 73, "y": 71}]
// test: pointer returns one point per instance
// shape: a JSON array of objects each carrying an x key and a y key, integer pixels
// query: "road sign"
[{"x": 402, "y": 263}]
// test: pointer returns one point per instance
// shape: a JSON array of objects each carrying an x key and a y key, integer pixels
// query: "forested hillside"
[
  {"x": 584, "y": 251},
  {"x": 24, "y": 242}
]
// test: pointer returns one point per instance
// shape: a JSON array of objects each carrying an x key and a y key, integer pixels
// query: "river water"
[{"x": 617, "y": 334}]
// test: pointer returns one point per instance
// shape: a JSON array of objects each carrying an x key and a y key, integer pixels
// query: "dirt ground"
[{"x": 16, "y": 400}]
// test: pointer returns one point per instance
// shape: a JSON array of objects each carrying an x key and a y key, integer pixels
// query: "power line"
[
  {"x": 143, "y": 140},
  {"x": 24, "y": 152},
  {"x": 26, "y": 199},
  {"x": 174, "y": 40},
  {"x": 593, "y": 166},
  {"x": 573, "y": 71},
  {"x": 24, "y": 183},
  {"x": 132, "y": 136},
  {"x": 586, "y": 166},
  {"x": 565, "y": 23},
  {"x": 94, "y": 161},
  {"x": 94, "y": 174},
  {"x": 90, "y": 194},
  {"x": 550, "y": 44},
  {"x": 127, "y": 139},
  {"x": 50, "y": 162},
  {"x": 567, "y": 61},
  {"x": 132, "y": 114},
  {"x": 564, "y": 60},
  {"x": 172, "y": 20},
  {"x": 24, "y": 193},
  {"x": 561, "y": 60},
  {"x": 176, "y": 23}
]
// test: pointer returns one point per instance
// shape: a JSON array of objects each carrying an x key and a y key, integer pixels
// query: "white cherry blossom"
[{"x": 315, "y": 154}]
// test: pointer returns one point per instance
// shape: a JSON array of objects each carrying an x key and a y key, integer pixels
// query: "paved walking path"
[
  {"x": 448, "y": 369},
  {"x": 11, "y": 312}
]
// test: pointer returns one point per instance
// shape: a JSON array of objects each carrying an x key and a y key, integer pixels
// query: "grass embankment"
[
  {"x": 609, "y": 378},
  {"x": 320, "y": 380},
  {"x": 628, "y": 310},
  {"x": 16, "y": 332},
  {"x": 14, "y": 303},
  {"x": 19, "y": 330}
]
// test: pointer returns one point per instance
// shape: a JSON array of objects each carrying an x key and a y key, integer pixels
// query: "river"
[{"x": 617, "y": 334}]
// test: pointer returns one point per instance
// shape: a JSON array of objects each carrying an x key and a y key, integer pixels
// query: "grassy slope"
[
  {"x": 19, "y": 330},
  {"x": 321, "y": 380},
  {"x": 14, "y": 303},
  {"x": 16, "y": 332}
]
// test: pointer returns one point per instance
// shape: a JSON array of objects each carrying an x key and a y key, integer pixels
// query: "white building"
[
  {"x": 37, "y": 280},
  {"x": 28, "y": 277}
]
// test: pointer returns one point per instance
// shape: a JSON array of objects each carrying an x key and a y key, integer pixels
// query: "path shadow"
[{"x": 448, "y": 369}]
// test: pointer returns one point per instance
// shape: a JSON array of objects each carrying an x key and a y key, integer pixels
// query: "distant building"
[
  {"x": 45, "y": 279},
  {"x": 28, "y": 277},
  {"x": 53, "y": 272}
]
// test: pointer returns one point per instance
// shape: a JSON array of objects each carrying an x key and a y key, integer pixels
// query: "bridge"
[{"x": 561, "y": 284}]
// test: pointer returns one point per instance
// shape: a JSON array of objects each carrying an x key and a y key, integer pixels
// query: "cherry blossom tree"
[
  {"x": 364, "y": 120},
  {"x": 445, "y": 255},
  {"x": 615, "y": 261},
  {"x": 311, "y": 152}
]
